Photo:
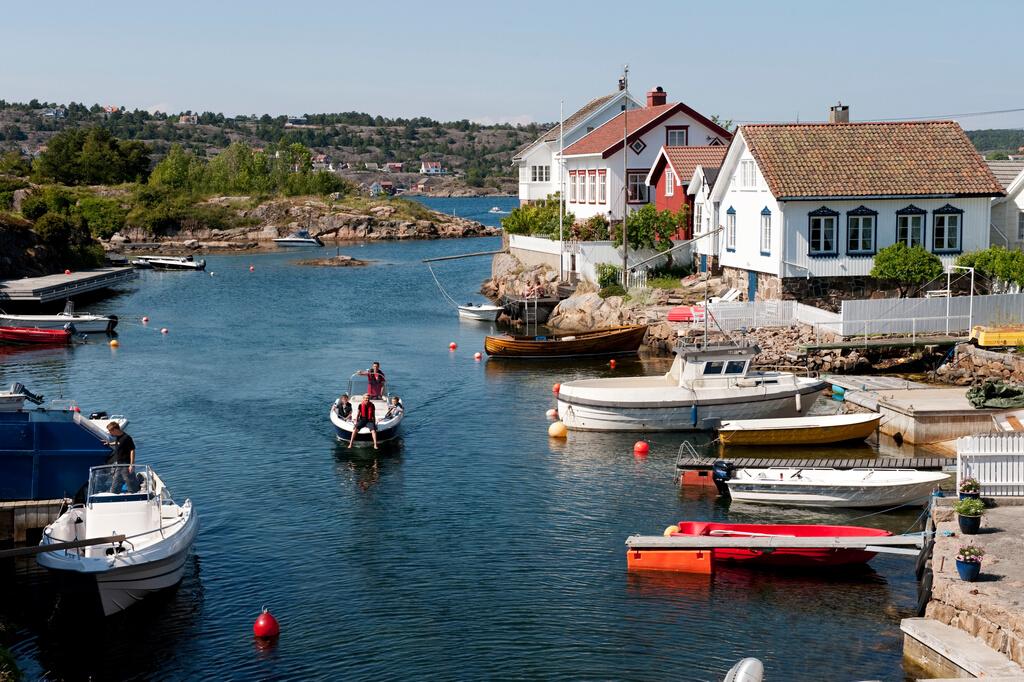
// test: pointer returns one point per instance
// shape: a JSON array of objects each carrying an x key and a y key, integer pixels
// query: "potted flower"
[
  {"x": 970, "y": 489},
  {"x": 968, "y": 562},
  {"x": 968, "y": 515}
]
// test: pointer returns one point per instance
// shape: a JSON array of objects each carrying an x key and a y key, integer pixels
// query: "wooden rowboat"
[
  {"x": 820, "y": 430},
  {"x": 608, "y": 341}
]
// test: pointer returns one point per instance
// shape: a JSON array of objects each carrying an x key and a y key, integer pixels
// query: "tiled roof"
[
  {"x": 607, "y": 139},
  {"x": 1006, "y": 171},
  {"x": 921, "y": 158},
  {"x": 568, "y": 124},
  {"x": 686, "y": 159}
]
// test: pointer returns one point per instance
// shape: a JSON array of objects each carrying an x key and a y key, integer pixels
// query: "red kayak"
[
  {"x": 35, "y": 336},
  {"x": 783, "y": 557}
]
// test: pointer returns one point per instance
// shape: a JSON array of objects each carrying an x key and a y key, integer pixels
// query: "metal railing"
[{"x": 910, "y": 326}]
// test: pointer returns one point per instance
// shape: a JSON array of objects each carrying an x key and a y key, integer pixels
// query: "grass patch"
[{"x": 663, "y": 282}]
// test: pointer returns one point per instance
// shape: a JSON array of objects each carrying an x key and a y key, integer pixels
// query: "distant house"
[
  {"x": 805, "y": 207},
  {"x": 706, "y": 248},
  {"x": 59, "y": 112},
  {"x": 322, "y": 162},
  {"x": 387, "y": 187},
  {"x": 431, "y": 168},
  {"x": 673, "y": 171},
  {"x": 393, "y": 167},
  {"x": 189, "y": 119},
  {"x": 1008, "y": 211},
  {"x": 296, "y": 121},
  {"x": 376, "y": 189}
]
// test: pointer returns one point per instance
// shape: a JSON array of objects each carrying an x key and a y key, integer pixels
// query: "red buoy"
[
  {"x": 641, "y": 448},
  {"x": 556, "y": 388},
  {"x": 266, "y": 626},
  {"x": 252, "y": 268},
  {"x": 452, "y": 345},
  {"x": 478, "y": 356},
  {"x": 76, "y": 408},
  {"x": 163, "y": 330},
  {"x": 611, "y": 363},
  {"x": 67, "y": 272},
  {"x": 145, "y": 320}
]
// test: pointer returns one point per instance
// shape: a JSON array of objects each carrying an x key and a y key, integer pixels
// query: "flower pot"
[
  {"x": 968, "y": 570},
  {"x": 970, "y": 496},
  {"x": 969, "y": 525}
]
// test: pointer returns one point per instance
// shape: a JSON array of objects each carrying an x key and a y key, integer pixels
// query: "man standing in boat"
[
  {"x": 374, "y": 380},
  {"x": 123, "y": 453},
  {"x": 366, "y": 416}
]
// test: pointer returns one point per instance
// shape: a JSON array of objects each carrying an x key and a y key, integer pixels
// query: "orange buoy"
[
  {"x": 556, "y": 388},
  {"x": 114, "y": 343},
  {"x": 558, "y": 430},
  {"x": 477, "y": 356},
  {"x": 67, "y": 272},
  {"x": 266, "y": 626},
  {"x": 145, "y": 320},
  {"x": 641, "y": 448},
  {"x": 452, "y": 345},
  {"x": 611, "y": 363},
  {"x": 163, "y": 330},
  {"x": 552, "y": 413}
]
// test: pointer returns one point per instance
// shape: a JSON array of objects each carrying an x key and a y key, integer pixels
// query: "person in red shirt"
[
  {"x": 375, "y": 380},
  {"x": 365, "y": 416}
]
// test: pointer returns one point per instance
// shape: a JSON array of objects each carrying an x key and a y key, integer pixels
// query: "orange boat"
[{"x": 608, "y": 341}]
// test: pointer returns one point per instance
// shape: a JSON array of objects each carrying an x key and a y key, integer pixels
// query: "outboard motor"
[
  {"x": 98, "y": 415},
  {"x": 29, "y": 395},
  {"x": 111, "y": 325},
  {"x": 721, "y": 471}
]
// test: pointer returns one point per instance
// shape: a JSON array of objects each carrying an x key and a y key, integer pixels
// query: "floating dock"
[
  {"x": 697, "y": 471},
  {"x": 58, "y": 287}
]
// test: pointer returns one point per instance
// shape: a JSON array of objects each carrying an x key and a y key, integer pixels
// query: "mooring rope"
[{"x": 438, "y": 283}]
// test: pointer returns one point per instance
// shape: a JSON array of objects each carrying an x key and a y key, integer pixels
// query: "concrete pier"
[
  {"x": 23, "y": 521},
  {"x": 58, "y": 287}
]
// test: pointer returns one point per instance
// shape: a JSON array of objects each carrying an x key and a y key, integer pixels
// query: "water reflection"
[{"x": 363, "y": 467}]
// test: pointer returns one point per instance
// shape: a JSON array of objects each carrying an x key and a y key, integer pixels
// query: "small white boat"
[
  {"x": 1011, "y": 420},
  {"x": 169, "y": 263},
  {"x": 84, "y": 323},
  {"x": 485, "y": 311},
  {"x": 299, "y": 238},
  {"x": 814, "y": 430},
  {"x": 102, "y": 420},
  {"x": 387, "y": 425},
  {"x": 852, "y": 488},
  {"x": 495, "y": 209},
  {"x": 702, "y": 386},
  {"x": 130, "y": 501}
]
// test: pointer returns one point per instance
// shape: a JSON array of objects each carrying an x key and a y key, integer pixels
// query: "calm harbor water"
[{"x": 476, "y": 548}]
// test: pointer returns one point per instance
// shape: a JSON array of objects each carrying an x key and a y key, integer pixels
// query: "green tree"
[
  {"x": 997, "y": 156},
  {"x": 909, "y": 267},
  {"x": 539, "y": 218},
  {"x": 103, "y": 217},
  {"x": 13, "y": 163},
  {"x": 92, "y": 156},
  {"x": 649, "y": 228}
]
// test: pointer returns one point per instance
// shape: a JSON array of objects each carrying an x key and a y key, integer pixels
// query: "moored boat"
[
  {"x": 31, "y": 335},
  {"x": 131, "y": 501},
  {"x": 84, "y": 323},
  {"x": 853, "y": 488},
  {"x": 299, "y": 238},
  {"x": 701, "y": 386},
  {"x": 619, "y": 340},
  {"x": 480, "y": 311},
  {"x": 813, "y": 430},
  {"x": 169, "y": 263}
]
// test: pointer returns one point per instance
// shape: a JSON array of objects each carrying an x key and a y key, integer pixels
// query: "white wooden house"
[
  {"x": 1008, "y": 211},
  {"x": 805, "y": 207}
]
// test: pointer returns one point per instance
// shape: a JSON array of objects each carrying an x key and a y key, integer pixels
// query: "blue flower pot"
[
  {"x": 970, "y": 496},
  {"x": 969, "y": 525},
  {"x": 968, "y": 570}
]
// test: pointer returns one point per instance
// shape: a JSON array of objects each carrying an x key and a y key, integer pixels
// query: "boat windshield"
[
  {"x": 360, "y": 383},
  {"x": 121, "y": 483}
]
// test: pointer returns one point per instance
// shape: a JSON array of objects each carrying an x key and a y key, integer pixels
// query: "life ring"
[
  {"x": 924, "y": 593},
  {"x": 922, "y": 558}
]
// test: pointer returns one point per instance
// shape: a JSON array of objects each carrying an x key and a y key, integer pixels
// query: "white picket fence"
[{"x": 997, "y": 462}]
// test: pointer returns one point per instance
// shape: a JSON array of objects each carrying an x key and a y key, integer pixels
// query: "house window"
[
  {"x": 592, "y": 186},
  {"x": 540, "y": 173},
  {"x": 860, "y": 231},
  {"x": 636, "y": 187},
  {"x": 748, "y": 176},
  {"x": 572, "y": 187},
  {"x": 602, "y": 184},
  {"x": 583, "y": 187},
  {"x": 670, "y": 182},
  {"x": 676, "y": 137},
  {"x": 730, "y": 229},
  {"x": 1020, "y": 226},
  {"x": 821, "y": 232},
  {"x": 946, "y": 224},
  {"x": 910, "y": 226},
  {"x": 766, "y": 232},
  {"x": 698, "y": 209}
]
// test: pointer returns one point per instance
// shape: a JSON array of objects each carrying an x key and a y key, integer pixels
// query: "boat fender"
[
  {"x": 111, "y": 324},
  {"x": 799, "y": 403},
  {"x": 922, "y": 558},
  {"x": 693, "y": 414},
  {"x": 924, "y": 593},
  {"x": 671, "y": 530},
  {"x": 721, "y": 471}
]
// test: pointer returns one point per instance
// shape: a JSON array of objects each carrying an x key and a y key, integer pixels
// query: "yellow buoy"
[
  {"x": 558, "y": 430},
  {"x": 670, "y": 530},
  {"x": 114, "y": 343}
]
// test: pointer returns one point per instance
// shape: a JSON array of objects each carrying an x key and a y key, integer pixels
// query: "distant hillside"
[
  {"x": 1007, "y": 140},
  {"x": 482, "y": 154}
]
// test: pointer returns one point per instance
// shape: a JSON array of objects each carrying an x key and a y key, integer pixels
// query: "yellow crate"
[{"x": 998, "y": 336}]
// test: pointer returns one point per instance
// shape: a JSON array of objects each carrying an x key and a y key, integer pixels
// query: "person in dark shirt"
[
  {"x": 374, "y": 380},
  {"x": 123, "y": 452},
  {"x": 367, "y": 416},
  {"x": 343, "y": 408}
]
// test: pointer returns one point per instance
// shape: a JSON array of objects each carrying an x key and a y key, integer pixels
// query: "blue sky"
[{"x": 492, "y": 61}]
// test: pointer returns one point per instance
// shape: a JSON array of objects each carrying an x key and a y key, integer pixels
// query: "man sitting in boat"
[
  {"x": 366, "y": 416},
  {"x": 123, "y": 453},
  {"x": 395, "y": 409},
  {"x": 374, "y": 380},
  {"x": 343, "y": 407}
]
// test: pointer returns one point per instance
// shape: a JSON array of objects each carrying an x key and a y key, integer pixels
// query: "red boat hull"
[
  {"x": 784, "y": 557},
  {"x": 33, "y": 335}
]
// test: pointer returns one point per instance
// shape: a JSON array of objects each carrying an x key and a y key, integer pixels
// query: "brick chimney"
[
  {"x": 656, "y": 97},
  {"x": 840, "y": 113}
]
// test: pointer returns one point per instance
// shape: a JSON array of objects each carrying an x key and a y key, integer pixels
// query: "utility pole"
[
  {"x": 561, "y": 190},
  {"x": 625, "y": 176}
]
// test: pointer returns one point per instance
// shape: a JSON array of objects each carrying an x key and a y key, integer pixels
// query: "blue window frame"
[
  {"x": 861, "y": 232},
  {"x": 730, "y": 229},
  {"x": 823, "y": 232},
  {"x": 910, "y": 226},
  {"x": 947, "y": 229},
  {"x": 766, "y": 232}
]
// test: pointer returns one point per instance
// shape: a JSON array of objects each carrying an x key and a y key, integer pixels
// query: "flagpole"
[{"x": 561, "y": 190}]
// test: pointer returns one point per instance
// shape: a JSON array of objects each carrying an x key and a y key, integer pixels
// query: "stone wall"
[
  {"x": 826, "y": 293},
  {"x": 971, "y": 364},
  {"x": 512, "y": 277}
]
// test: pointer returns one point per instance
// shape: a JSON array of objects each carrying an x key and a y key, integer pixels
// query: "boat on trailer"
[
  {"x": 298, "y": 239},
  {"x": 387, "y": 426},
  {"x": 158, "y": 536},
  {"x": 484, "y": 312},
  {"x": 702, "y": 386},
  {"x": 169, "y": 263},
  {"x": 84, "y": 323},
  {"x": 621, "y": 340},
  {"x": 813, "y": 430},
  {"x": 848, "y": 488}
]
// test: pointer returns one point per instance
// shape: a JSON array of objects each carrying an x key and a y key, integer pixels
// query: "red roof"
[
  {"x": 607, "y": 139},
  {"x": 685, "y": 160}
]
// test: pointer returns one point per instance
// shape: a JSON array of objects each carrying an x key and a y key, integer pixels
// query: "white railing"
[
  {"x": 635, "y": 279},
  {"x": 997, "y": 462},
  {"x": 910, "y": 326},
  {"x": 736, "y": 315}
]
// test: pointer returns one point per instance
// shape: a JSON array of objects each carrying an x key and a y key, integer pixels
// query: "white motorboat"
[
  {"x": 495, "y": 209},
  {"x": 387, "y": 423},
  {"x": 826, "y": 487},
  {"x": 84, "y": 323},
  {"x": 129, "y": 501},
  {"x": 102, "y": 420},
  {"x": 169, "y": 263},
  {"x": 702, "y": 386},
  {"x": 485, "y": 312},
  {"x": 299, "y": 238}
]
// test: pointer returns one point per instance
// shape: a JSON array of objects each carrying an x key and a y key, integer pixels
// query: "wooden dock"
[
  {"x": 910, "y": 342},
  {"x": 919, "y": 463},
  {"x": 57, "y": 287},
  {"x": 770, "y": 542}
]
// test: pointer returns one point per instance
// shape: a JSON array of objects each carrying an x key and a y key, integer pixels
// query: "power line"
[{"x": 913, "y": 118}]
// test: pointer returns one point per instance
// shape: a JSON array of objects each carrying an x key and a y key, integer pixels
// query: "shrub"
[
  {"x": 34, "y": 207},
  {"x": 612, "y": 290},
  {"x": 538, "y": 218},
  {"x": 970, "y": 554},
  {"x": 996, "y": 263},
  {"x": 969, "y": 507},
  {"x": 6, "y": 201},
  {"x": 103, "y": 216},
  {"x": 593, "y": 229},
  {"x": 908, "y": 266},
  {"x": 650, "y": 228},
  {"x": 608, "y": 275}
]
